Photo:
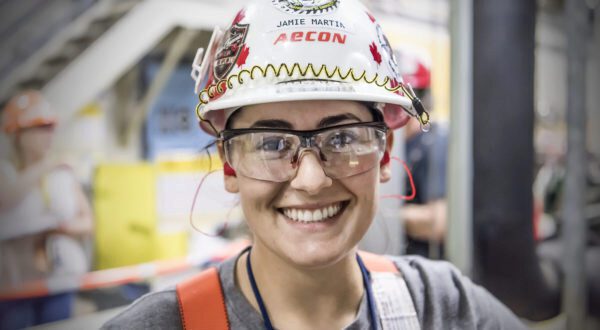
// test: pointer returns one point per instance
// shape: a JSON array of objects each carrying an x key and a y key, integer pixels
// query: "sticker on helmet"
[
  {"x": 309, "y": 7},
  {"x": 384, "y": 43},
  {"x": 370, "y": 16},
  {"x": 375, "y": 53},
  {"x": 239, "y": 17},
  {"x": 302, "y": 36},
  {"x": 229, "y": 51},
  {"x": 315, "y": 22},
  {"x": 243, "y": 56}
]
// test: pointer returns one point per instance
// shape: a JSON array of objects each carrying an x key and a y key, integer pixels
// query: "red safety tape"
[{"x": 115, "y": 276}]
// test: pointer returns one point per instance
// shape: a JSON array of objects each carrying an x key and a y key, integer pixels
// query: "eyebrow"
[
  {"x": 325, "y": 122},
  {"x": 271, "y": 123},
  {"x": 333, "y": 120}
]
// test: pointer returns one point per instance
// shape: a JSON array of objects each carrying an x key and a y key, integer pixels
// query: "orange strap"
[
  {"x": 202, "y": 304},
  {"x": 378, "y": 264}
]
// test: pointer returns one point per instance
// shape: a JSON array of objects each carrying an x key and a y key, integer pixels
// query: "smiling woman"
[
  {"x": 303, "y": 177},
  {"x": 305, "y": 134}
]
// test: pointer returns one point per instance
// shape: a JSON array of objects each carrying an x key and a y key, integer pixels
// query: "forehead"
[{"x": 299, "y": 114}]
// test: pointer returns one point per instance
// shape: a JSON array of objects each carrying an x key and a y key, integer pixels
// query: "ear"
[
  {"x": 395, "y": 116},
  {"x": 230, "y": 181},
  {"x": 385, "y": 169}
]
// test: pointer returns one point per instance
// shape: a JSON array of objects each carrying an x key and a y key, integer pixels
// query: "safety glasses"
[{"x": 273, "y": 154}]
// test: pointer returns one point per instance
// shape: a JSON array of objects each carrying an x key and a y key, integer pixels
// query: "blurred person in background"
[
  {"x": 303, "y": 97},
  {"x": 44, "y": 214},
  {"x": 424, "y": 216}
]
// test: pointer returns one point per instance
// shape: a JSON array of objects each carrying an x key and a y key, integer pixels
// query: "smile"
[{"x": 313, "y": 215}]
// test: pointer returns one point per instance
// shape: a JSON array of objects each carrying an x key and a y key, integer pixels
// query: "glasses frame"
[
  {"x": 306, "y": 136},
  {"x": 229, "y": 134}
]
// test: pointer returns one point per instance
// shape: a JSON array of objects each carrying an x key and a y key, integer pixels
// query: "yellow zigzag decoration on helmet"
[
  {"x": 209, "y": 92},
  {"x": 217, "y": 87}
]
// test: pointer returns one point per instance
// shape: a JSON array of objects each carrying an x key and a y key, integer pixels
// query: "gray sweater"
[{"x": 443, "y": 299}]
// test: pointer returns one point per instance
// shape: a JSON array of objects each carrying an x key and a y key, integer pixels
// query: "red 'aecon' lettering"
[
  {"x": 341, "y": 38},
  {"x": 297, "y": 36},
  {"x": 322, "y": 36},
  {"x": 282, "y": 38}
]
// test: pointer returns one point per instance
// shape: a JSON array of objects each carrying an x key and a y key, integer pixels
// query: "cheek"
[
  {"x": 366, "y": 189},
  {"x": 257, "y": 198}
]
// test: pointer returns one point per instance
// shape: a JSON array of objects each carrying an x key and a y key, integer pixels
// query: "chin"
[{"x": 314, "y": 255}]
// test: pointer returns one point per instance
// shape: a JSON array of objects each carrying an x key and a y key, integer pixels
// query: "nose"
[{"x": 310, "y": 176}]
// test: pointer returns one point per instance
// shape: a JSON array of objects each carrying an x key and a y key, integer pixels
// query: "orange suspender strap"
[
  {"x": 378, "y": 264},
  {"x": 201, "y": 302}
]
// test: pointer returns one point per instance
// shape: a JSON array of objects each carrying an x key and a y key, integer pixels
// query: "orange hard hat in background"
[{"x": 27, "y": 109}]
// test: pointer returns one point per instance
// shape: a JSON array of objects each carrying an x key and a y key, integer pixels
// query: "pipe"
[
  {"x": 460, "y": 167},
  {"x": 574, "y": 302},
  {"x": 506, "y": 262}
]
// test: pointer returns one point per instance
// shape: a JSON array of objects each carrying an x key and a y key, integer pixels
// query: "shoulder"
[
  {"x": 444, "y": 298},
  {"x": 161, "y": 309},
  {"x": 157, "y": 310}
]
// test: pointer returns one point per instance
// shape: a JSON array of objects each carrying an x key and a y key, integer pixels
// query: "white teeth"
[
  {"x": 294, "y": 214},
  {"x": 317, "y": 215},
  {"x": 312, "y": 215},
  {"x": 308, "y": 216}
]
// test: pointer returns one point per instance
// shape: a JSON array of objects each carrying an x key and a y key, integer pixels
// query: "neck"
[{"x": 296, "y": 297}]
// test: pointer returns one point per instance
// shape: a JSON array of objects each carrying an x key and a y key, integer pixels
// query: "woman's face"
[
  {"x": 353, "y": 200},
  {"x": 35, "y": 141}
]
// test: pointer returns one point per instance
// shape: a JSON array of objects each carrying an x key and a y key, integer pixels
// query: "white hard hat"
[{"x": 291, "y": 50}]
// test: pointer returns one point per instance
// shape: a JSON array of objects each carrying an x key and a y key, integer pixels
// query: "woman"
[
  {"x": 303, "y": 97},
  {"x": 43, "y": 215}
]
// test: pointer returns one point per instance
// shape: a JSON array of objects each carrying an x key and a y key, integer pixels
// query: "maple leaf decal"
[
  {"x": 239, "y": 17},
  {"x": 243, "y": 56},
  {"x": 370, "y": 16},
  {"x": 375, "y": 53}
]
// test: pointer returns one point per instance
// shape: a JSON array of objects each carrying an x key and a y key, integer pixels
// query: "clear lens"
[
  {"x": 263, "y": 155},
  {"x": 351, "y": 151},
  {"x": 270, "y": 156}
]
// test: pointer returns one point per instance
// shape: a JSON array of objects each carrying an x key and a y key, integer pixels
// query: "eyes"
[
  {"x": 340, "y": 140},
  {"x": 274, "y": 144},
  {"x": 333, "y": 141}
]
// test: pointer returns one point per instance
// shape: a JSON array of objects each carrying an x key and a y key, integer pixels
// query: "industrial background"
[{"x": 516, "y": 82}]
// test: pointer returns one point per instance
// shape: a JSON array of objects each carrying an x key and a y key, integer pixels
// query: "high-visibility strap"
[
  {"x": 377, "y": 263},
  {"x": 394, "y": 302},
  {"x": 201, "y": 302}
]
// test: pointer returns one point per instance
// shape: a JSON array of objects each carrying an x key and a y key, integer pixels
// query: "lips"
[{"x": 320, "y": 214}]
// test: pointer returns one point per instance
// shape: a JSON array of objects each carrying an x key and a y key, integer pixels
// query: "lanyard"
[{"x": 366, "y": 282}]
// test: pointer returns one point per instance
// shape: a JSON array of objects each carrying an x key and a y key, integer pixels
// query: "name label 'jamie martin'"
[
  {"x": 314, "y": 22},
  {"x": 323, "y": 36}
]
